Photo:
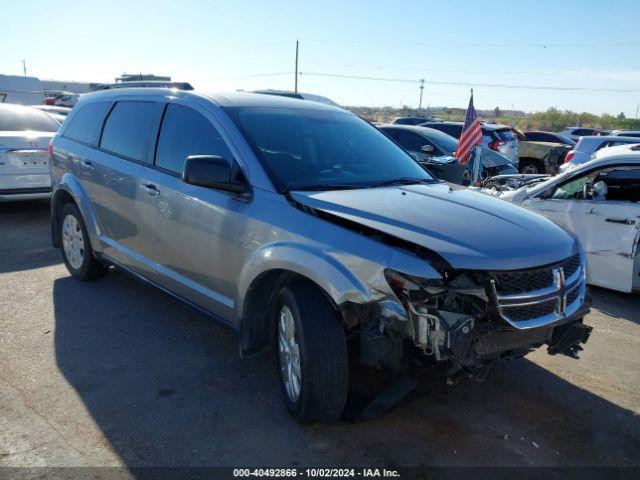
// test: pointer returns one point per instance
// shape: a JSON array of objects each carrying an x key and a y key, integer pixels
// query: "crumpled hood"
[{"x": 468, "y": 229}]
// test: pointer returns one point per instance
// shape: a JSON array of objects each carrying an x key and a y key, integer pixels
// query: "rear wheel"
[
  {"x": 76, "y": 249},
  {"x": 530, "y": 167},
  {"x": 312, "y": 354}
]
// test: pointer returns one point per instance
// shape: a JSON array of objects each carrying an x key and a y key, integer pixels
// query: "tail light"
[
  {"x": 569, "y": 156},
  {"x": 50, "y": 148},
  {"x": 495, "y": 145}
]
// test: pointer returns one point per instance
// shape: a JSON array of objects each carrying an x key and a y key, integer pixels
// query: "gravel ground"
[{"x": 117, "y": 373}]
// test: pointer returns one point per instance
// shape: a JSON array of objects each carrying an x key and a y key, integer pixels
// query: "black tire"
[
  {"x": 90, "y": 268},
  {"x": 530, "y": 167},
  {"x": 322, "y": 344}
]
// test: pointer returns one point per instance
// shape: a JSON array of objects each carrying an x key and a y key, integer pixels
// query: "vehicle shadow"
[
  {"x": 617, "y": 304},
  {"x": 25, "y": 236},
  {"x": 166, "y": 387}
]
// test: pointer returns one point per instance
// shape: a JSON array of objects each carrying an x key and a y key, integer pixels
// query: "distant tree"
[
  {"x": 621, "y": 116},
  {"x": 497, "y": 111}
]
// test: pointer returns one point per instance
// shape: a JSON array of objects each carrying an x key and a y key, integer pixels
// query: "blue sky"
[{"x": 225, "y": 45}]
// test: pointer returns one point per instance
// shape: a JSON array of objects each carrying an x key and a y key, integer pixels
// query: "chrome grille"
[
  {"x": 539, "y": 296},
  {"x": 527, "y": 312}
]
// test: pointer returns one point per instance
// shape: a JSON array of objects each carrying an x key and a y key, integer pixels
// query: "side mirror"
[
  {"x": 427, "y": 148},
  {"x": 211, "y": 171}
]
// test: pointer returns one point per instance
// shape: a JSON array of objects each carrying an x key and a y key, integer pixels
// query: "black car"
[
  {"x": 435, "y": 151},
  {"x": 549, "y": 137}
]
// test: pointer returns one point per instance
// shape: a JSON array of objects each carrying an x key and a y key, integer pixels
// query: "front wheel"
[
  {"x": 76, "y": 249},
  {"x": 312, "y": 354}
]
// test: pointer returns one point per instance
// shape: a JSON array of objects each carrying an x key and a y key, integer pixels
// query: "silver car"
[
  {"x": 307, "y": 230},
  {"x": 587, "y": 147}
]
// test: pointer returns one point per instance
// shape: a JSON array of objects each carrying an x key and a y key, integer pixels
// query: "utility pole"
[
  {"x": 296, "y": 81},
  {"x": 637, "y": 111},
  {"x": 24, "y": 67},
  {"x": 421, "y": 90}
]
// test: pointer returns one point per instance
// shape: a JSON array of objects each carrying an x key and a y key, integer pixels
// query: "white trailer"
[{"x": 22, "y": 90}]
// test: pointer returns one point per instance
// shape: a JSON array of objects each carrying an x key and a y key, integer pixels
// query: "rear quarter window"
[{"x": 85, "y": 124}]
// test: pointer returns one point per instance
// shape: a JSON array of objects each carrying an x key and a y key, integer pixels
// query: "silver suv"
[{"x": 307, "y": 230}]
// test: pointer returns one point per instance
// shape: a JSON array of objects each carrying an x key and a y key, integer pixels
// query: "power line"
[
  {"x": 554, "y": 73},
  {"x": 509, "y": 45},
  {"x": 473, "y": 84}
]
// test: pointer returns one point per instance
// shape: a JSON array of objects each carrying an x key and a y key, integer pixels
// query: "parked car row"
[{"x": 533, "y": 151}]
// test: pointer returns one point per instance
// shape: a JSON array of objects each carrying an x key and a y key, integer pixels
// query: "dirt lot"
[{"x": 117, "y": 373}]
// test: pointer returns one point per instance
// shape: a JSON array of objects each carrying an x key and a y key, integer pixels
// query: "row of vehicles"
[{"x": 531, "y": 152}]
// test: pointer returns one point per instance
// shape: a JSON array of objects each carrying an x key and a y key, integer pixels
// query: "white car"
[
  {"x": 588, "y": 146},
  {"x": 599, "y": 201},
  {"x": 24, "y": 161}
]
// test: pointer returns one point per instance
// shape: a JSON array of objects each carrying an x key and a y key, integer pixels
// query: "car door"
[
  {"x": 607, "y": 225},
  {"x": 196, "y": 231},
  {"x": 111, "y": 178}
]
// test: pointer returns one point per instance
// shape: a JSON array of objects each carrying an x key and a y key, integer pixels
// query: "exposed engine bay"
[
  {"x": 459, "y": 324},
  {"x": 514, "y": 182}
]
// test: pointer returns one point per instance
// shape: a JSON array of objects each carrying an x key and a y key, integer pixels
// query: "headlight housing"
[{"x": 412, "y": 289}]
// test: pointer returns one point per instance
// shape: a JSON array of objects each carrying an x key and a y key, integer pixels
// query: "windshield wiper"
[
  {"x": 404, "y": 181},
  {"x": 325, "y": 186}
]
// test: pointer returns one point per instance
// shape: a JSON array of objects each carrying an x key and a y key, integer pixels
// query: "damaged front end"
[{"x": 468, "y": 320}]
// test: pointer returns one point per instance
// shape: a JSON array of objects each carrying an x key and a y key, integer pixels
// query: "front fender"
[
  {"x": 69, "y": 184},
  {"x": 326, "y": 270}
]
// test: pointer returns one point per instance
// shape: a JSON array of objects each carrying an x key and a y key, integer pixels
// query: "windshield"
[
  {"x": 312, "y": 149},
  {"x": 446, "y": 143},
  {"x": 20, "y": 119}
]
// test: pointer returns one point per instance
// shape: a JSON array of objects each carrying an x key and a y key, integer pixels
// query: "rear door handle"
[
  {"x": 87, "y": 165},
  {"x": 624, "y": 221},
  {"x": 151, "y": 189}
]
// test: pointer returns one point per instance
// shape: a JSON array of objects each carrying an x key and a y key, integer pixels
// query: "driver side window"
[
  {"x": 573, "y": 189},
  {"x": 607, "y": 184},
  {"x": 185, "y": 132}
]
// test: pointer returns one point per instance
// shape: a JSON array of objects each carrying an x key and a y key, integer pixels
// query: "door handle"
[
  {"x": 624, "y": 221},
  {"x": 151, "y": 189},
  {"x": 87, "y": 165}
]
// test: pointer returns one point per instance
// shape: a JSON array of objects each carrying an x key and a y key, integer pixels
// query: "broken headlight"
[
  {"x": 412, "y": 289},
  {"x": 443, "y": 313}
]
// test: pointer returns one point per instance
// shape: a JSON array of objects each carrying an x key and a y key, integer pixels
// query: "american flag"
[{"x": 471, "y": 134}]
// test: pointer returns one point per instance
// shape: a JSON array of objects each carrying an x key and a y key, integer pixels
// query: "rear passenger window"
[
  {"x": 128, "y": 127},
  {"x": 85, "y": 123},
  {"x": 185, "y": 132}
]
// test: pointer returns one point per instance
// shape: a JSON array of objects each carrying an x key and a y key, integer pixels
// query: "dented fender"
[{"x": 345, "y": 278}]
